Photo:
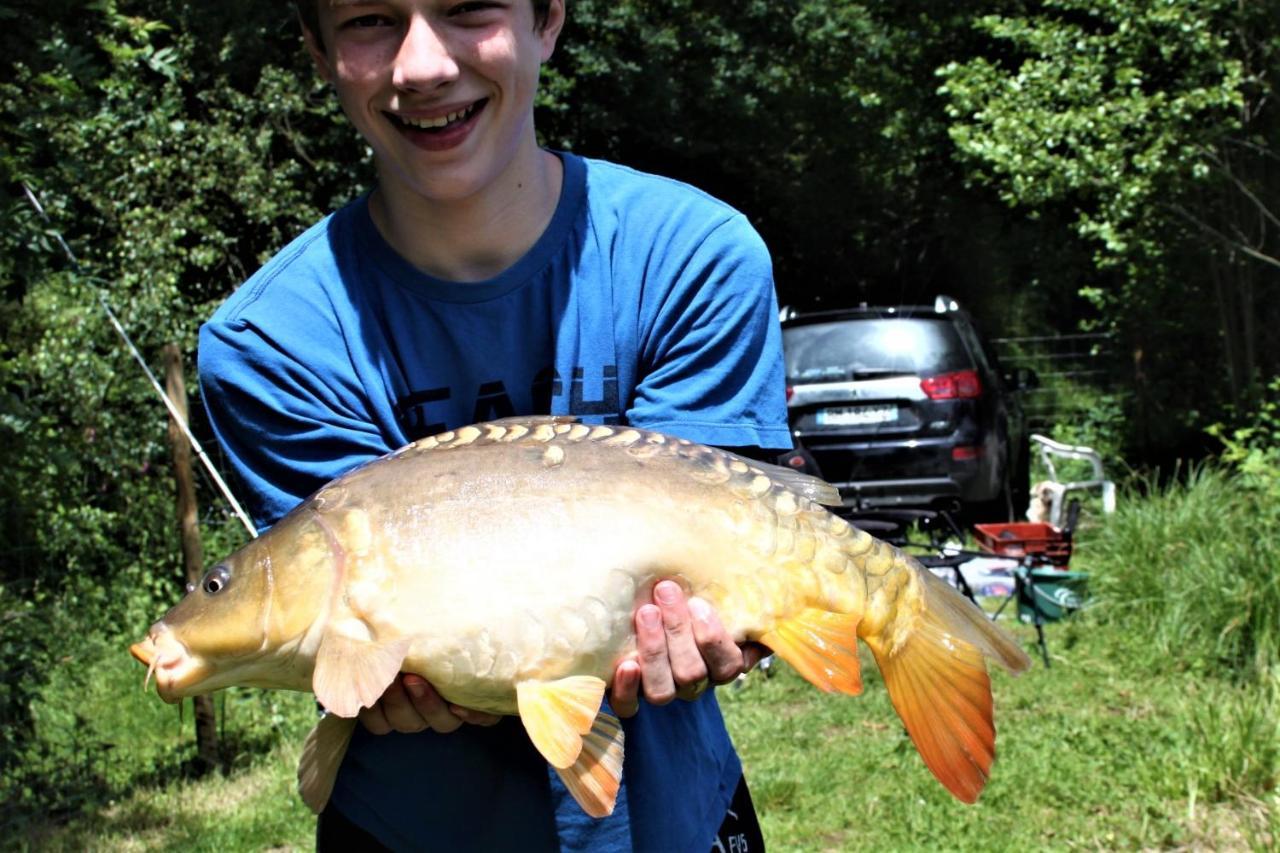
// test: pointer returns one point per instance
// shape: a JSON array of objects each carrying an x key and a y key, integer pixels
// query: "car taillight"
[
  {"x": 964, "y": 453},
  {"x": 791, "y": 392},
  {"x": 959, "y": 385}
]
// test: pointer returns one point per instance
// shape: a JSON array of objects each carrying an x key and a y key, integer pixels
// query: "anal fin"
[
  {"x": 321, "y": 757},
  {"x": 822, "y": 646},
  {"x": 595, "y": 777},
  {"x": 556, "y": 714}
]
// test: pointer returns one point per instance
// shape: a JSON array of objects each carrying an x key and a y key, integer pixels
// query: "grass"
[
  {"x": 1093, "y": 753},
  {"x": 1157, "y": 727}
]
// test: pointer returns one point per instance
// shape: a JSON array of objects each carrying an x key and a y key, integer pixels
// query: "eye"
[
  {"x": 366, "y": 22},
  {"x": 471, "y": 8},
  {"x": 216, "y": 580}
]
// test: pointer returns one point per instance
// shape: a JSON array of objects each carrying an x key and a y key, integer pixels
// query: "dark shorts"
[{"x": 740, "y": 832}]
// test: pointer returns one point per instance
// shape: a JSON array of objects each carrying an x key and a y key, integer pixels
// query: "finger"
[
  {"x": 398, "y": 709},
  {"x": 687, "y": 666},
  {"x": 651, "y": 647},
  {"x": 624, "y": 695},
  {"x": 721, "y": 655},
  {"x": 474, "y": 717},
  {"x": 374, "y": 720},
  {"x": 427, "y": 702}
]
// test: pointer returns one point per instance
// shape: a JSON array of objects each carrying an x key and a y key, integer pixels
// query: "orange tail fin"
[{"x": 937, "y": 679}]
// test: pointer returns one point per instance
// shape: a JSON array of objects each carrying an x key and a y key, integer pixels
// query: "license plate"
[{"x": 857, "y": 415}]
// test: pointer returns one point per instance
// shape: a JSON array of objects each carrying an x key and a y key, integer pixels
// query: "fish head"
[{"x": 247, "y": 621}]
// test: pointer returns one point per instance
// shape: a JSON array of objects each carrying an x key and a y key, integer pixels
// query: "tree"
[
  {"x": 175, "y": 145},
  {"x": 1155, "y": 124}
]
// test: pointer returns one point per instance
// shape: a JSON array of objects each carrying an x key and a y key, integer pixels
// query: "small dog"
[{"x": 1042, "y": 498}]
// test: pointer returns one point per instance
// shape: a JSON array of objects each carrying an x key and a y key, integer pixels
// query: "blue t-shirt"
[{"x": 645, "y": 302}]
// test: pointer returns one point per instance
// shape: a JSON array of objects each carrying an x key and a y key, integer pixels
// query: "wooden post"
[{"x": 192, "y": 552}]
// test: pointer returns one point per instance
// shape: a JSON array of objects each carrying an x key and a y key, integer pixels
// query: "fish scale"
[{"x": 503, "y": 562}]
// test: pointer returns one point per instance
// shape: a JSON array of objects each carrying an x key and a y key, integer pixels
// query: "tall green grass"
[{"x": 1192, "y": 568}]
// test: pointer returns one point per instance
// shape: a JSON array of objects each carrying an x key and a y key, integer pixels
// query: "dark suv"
[{"x": 907, "y": 406}]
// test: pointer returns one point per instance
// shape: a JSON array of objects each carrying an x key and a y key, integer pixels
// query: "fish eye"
[{"x": 216, "y": 580}]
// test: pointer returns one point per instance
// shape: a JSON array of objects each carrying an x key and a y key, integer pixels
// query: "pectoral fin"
[
  {"x": 822, "y": 646},
  {"x": 556, "y": 714},
  {"x": 352, "y": 673},
  {"x": 321, "y": 757},
  {"x": 595, "y": 777}
]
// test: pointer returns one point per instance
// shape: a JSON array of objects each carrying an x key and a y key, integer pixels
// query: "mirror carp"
[{"x": 503, "y": 562}]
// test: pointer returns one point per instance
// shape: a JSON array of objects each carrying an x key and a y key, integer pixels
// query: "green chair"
[{"x": 1048, "y": 595}]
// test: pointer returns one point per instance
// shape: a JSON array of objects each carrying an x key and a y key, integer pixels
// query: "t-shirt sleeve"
[
  {"x": 711, "y": 349},
  {"x": 285, "y": 430}
]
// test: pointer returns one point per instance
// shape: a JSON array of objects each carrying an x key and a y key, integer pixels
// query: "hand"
[
  {"x": 681, "y": 648},
  {"x": 410, "y": 704}
]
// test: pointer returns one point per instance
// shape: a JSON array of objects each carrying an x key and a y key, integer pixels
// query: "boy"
[{"x": 485, "y": 277}]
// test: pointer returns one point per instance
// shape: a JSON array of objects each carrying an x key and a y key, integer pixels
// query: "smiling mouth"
[{"x": 440, "y": 123}]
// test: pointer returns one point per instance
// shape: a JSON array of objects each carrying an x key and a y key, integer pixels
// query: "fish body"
[{"x": 503, "y": 563}]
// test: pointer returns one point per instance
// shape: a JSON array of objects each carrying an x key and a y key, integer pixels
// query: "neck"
[{"x": 476, "y": 237}]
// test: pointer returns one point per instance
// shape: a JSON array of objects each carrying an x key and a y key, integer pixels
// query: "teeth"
[{"x": 435, "y": 123}]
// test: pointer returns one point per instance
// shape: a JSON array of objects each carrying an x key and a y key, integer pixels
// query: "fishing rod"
[{"x": 137, "y": 356}]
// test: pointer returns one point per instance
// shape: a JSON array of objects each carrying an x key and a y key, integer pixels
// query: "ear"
[
  {"x": 551, "y": 32},
  {"x": 316, "y": 48}
]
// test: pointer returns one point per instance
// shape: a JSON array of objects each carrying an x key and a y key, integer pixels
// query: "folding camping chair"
[
  {"x": 1057, "y": 492},
  {"x": 1045, "y": 589}
]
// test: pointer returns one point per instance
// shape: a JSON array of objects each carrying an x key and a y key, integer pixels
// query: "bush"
[{"x": 1254, "y": 448}]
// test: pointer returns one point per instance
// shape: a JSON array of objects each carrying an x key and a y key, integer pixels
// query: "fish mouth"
[
  {"x": 167, "y": 659},
  {"x": 143, "y": 653}
]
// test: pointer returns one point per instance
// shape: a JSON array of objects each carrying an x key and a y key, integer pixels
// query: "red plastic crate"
[{"x": 1024, "y": 538}]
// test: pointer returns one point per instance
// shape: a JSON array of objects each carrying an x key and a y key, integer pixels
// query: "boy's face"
[{"x": 442, "y": 90}]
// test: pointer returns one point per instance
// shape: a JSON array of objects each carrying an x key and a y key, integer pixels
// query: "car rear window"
[{"x": 862, "y": 349}]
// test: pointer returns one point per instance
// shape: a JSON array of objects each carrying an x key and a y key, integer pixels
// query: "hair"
[{"x": 309, "y": 13}]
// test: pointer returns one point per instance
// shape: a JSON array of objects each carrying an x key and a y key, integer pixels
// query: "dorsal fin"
[
  {"x": 531, "y": 420},
  {"x": 814, "y": 488}
]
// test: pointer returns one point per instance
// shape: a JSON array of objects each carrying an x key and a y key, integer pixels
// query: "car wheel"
[
  {"x": 1020, "y": 481},
  {"x": 1003, "y": 506},
  {"x": 999, "y": 508}
]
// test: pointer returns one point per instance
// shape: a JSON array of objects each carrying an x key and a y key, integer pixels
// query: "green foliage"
[
  {"x": 101, "y": 738},
  {"x": 1190, "y": 568},
  {"x": 176, "y": 146},
  {"x": 816, "y": 118},
  {"x": 1150, "y": 126},
  {"x": 1114, "y": 101},
  {"x": 1254, "y": 448}
]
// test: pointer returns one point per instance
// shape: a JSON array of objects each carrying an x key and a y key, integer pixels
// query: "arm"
[{"x": 712, "y": 351}]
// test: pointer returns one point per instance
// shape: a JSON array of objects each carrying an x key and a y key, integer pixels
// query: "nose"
[{"x": 425, "y": 60}]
